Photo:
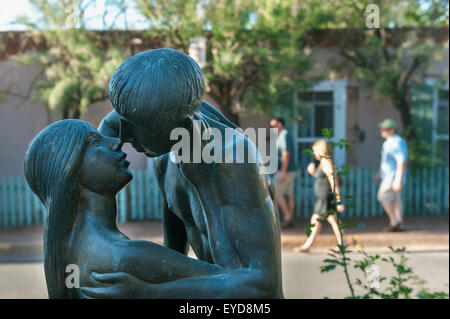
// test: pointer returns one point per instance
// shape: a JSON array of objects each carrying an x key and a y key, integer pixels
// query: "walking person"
[
  {"x": 392, "y": 173},
  {"x": 325, "y": 183},
  {"x": 285, "y": 176}
]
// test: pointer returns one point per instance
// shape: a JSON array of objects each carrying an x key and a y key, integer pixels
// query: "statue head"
[
  {"x": 154, "y": 92},
  {"x": 62, "y": 159}
]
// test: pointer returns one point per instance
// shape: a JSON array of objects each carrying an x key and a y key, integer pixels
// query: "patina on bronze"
[
  {"x": 224, "y": 211},
  {"x": 77, "y": 172}
]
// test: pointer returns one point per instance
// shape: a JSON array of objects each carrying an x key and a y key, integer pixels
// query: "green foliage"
[
  {"x": 394, "y": 58},
  {"x": 77, "y": 66},
  {"x": 254, "y": 52},
  {"x": 399, "y": 286},
  {"x": 422, "y": 154},
  {"x": 340, "y": 14},
  {"x": 308, "y": 152}
]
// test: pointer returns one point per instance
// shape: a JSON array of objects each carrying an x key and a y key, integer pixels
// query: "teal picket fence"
[
  {"x": 19, "y": 206},
  {"x": 425, "y": 193}
]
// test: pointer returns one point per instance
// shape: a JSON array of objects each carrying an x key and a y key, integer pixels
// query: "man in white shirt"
[
  {"x": 284, "y": 179},
  {"x": 392, "y": 172}
]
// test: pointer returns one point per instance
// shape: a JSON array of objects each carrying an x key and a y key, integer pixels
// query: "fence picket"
[
  {"x": 426, "y": 192},
  {"x": 366, "y": 199},
  {"x": 439, "y": 195},
  {"x": 298, "y": 210},
  {"x": 418, "y": 191},
  {"x": 350, "y": 193},
  {"x": 409, "y": 202},
  {"x": 434, "y": 191},
  {"x": 20, "y": 206},
  {"x": 12, "y": 201},
  {"x": 5, "y": 202},
  {"x": 148, "y": 194},
  {"x": 446, "y": 206},
  {"x": 123, "y": 205},
  {"x": 373, "y": 194},
  {"x": 140, "y": 186},
  {"x": 28, "y": 207},
  {"x": 132, "y": 190},
  {"x": 358, "y": 192}
]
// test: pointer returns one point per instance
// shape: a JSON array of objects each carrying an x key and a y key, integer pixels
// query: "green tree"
[
  {"x": 254, "y": 48},
  {"x": 76, "y": 63},
  {"x": 394, "y": 57}
]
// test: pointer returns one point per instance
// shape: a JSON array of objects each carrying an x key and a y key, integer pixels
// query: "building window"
[
  {"x": 323, "y": 107},
  {"x": 440, "y": 125},
  {"x": 313, "y": 114}
]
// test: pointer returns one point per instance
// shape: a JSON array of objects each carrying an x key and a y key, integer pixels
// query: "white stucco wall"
[{"x": 21, "y": 119}]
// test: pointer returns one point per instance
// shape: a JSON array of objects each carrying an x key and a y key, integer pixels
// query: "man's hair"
[
  {"x": 165, "y": 82},
  {"x": 278, "y": 119}
]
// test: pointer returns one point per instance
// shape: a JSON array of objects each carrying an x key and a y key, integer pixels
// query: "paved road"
[
  {"x": 301, "y": 276},
  {"x": 424, "y": 232}
]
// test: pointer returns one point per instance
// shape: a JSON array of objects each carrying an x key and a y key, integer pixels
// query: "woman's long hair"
[
  {"x": 51, "y": 169},
  {"x": 322, "y": 148}
]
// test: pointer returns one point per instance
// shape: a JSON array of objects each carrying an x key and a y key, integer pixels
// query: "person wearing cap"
[{"x": 392, "y": 174}]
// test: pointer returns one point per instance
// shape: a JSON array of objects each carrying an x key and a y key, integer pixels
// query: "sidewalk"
[{"x": 423, "y": 233}]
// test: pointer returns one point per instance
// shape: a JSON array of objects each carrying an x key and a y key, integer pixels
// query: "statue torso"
[{"x": 183, "y": 201}]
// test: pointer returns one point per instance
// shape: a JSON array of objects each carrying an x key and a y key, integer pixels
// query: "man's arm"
[
  {"x": 398, "y": 179},
  {"x": 400, "y": 156},
  {"x": 285, "y": 157},
  {"x": 377, "y": 176},
  {"x": 110, "y": 125},
  {"x": 243, "y": 235},
  {"x": 284, "y": 165}
]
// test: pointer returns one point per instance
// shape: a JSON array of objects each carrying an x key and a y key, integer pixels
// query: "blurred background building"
[{"x": 340, "y": 102}]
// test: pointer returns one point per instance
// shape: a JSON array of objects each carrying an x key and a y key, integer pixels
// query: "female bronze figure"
[
  {"x": 77, "y": 172},
  {"x": 224, "y": 211}
]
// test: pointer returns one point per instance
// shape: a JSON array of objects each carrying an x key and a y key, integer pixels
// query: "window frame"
[
  {"x": 339, "y": 89},
  {"x": 436, "y": 86}
]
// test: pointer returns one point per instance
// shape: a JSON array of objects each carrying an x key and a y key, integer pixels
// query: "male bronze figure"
[{"x": 225, "y": 211}]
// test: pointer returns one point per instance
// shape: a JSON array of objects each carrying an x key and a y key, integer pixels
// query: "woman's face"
[
  {"x": 316, "y": 154},
  {"x": 104, "y": 169}
]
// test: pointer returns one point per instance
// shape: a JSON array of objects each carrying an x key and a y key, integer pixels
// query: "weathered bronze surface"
[{"x": 224, "y": 211}]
